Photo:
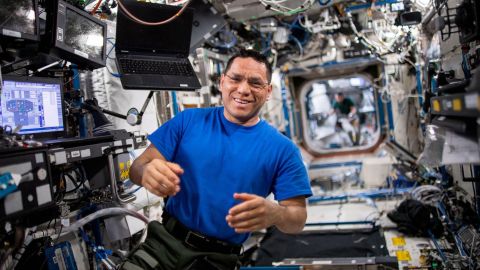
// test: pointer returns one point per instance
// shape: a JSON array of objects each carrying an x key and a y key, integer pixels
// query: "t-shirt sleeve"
[
  {"x": 291, "y": 178},
  {"x": 167, "y": 137},
  {"x": 336, "y": 105}
]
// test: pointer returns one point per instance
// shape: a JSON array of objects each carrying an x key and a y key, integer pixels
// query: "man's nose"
[{"x": 243, "y": 87}]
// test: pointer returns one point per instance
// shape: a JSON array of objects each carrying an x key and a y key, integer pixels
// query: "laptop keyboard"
[{"x": 156, "y": 67}]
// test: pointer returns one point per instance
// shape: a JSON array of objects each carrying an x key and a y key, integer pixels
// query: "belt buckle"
[{"x": 189, "y": 234}]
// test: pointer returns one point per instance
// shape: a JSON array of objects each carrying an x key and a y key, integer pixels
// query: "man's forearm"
[
  {"x": 136, "y": 171},
  {"x": 292, "y": 218}
]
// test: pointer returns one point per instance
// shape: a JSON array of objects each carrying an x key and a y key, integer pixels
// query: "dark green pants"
[{"x": 162, "y": 251}]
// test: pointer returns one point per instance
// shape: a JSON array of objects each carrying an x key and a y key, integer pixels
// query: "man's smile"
[{"x": 242, "y": 101}]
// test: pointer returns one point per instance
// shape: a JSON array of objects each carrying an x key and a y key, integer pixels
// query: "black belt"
[{"x": 197, "y": 240}]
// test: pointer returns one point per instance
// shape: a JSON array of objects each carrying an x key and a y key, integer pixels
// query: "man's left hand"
[{"x": 253, "y": 214}]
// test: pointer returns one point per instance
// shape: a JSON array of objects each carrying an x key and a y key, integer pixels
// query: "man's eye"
[
  {"x": 237, "y": 79},
  {"x": 255, "y": 84}
]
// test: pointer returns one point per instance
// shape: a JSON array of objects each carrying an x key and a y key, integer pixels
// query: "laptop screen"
[
  {"x": 34, "y": 103},
  {"x": 169, "y": 38}
]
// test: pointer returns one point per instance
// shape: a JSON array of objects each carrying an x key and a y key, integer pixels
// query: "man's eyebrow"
[
  {"x": 253, "y": 77},
  {"x": 236, "y": 74}
]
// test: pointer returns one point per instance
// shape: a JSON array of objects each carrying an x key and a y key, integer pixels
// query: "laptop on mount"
[{"x": 154, "y": 57}]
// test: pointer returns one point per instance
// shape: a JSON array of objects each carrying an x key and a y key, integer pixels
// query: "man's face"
[
  {"x": 339, "y": 98},
  {"x": 245, "y": 89}
]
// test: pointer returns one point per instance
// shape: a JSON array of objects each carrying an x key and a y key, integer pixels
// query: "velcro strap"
[
  {"x": 130, "y": 266},
  {"x": 147, "y": 258}
]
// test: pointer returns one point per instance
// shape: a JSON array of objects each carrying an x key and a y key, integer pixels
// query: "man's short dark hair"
[{"x": 256, "y": 56}]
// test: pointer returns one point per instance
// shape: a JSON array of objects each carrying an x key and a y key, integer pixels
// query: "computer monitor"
[
  {"x": 19, "y": 19},
  {"x": 207, "y": 21},
  {"x": 35, "y": 103},
  {"x": 75, "y": 35}
]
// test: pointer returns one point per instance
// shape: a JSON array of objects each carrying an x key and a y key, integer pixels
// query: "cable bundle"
[{"x": 427, "y": 194}]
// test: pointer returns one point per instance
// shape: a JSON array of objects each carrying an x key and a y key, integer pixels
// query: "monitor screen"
[
  {"x": 33, "y": 103},
  {"x": 206, "y": 23},
  {"x": 74, "y": 35},
  {"x": 83, "y": 35},
  {"x": 18, "y": 18},
  {"x": 173, "y": 37}
]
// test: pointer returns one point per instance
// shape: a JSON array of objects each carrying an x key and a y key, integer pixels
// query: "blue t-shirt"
[{"x": 220, "y": 158}]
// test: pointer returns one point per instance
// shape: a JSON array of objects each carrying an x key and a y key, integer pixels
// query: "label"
[
  {"x": 471, "y": 101},
  {"x": 321, "y": 262},
  {"x": 436, "y": 105},
  {"x": 448, "y": 104},
  {"x": 398, "y": 241},
  {"x": 65, "y": 222},
  {"x": 11, "y": 33},
  {"x": 60, "y": 34},
  {"x": 82, "y": 54},
  {"x": 75, "y": 154},
  {"x": 403, "y": 255},
  {"x": 85, "y": 153},
  {"x": 457, "y": 104}
]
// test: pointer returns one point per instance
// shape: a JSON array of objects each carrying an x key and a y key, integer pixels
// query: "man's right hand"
[{"x": 161, "y": 177}]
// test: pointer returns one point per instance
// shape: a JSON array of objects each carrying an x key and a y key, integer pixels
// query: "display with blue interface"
[{"x": 35, "y": 106}]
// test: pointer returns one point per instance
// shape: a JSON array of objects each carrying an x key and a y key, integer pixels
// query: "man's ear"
[
  {"x": 269, "y": 91},
  {"x": 220, "y": 83}
]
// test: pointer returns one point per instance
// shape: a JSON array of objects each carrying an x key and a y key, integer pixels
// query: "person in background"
[
  {"x": 347, "y": 117},
  {"x": 344, "y": 105},
  {"x": 216, "y": 166}
]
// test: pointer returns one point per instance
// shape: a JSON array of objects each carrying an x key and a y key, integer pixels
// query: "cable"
[
  {"x": 284, "y": 10},
  {"x": 475, "y": 200},
  {"x": 427, "y": 194},
  {"x": 299, "y": 44},
  {"x": 66, "y": 176},
  {"x": 324, "y": 3},
  {"x": 226, "y": 44},
  {"x": 71, "y": 79},
  {"x": 177, "y": 3},
  {"x": 47, "y": 66},
  {"x": 124, "y": 9},
  {"x": 114, "y": 211},
  {"x": 116, "y": 75},
  {"x": 96, "y": 7},
  {"x": 77, "y": 186},
  {"x": 111, "y": 49}
]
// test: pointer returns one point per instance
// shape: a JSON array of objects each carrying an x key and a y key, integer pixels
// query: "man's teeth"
[{"x": 241, "y": 101}]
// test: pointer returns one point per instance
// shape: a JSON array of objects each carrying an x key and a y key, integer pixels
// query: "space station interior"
[{"x": 381, "y": 97}]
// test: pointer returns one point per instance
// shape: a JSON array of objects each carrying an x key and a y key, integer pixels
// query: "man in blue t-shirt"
[{"x": 216, "y": 166}]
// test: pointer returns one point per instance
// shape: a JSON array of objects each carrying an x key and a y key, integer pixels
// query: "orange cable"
[
  {"x": 151, "y": 23},
  {"x": 96, "y": 7}
]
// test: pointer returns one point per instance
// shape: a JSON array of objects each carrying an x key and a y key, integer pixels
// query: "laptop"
[
  {"x": 35, "y": 105},
  {"x": 154, "y": 57}
]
